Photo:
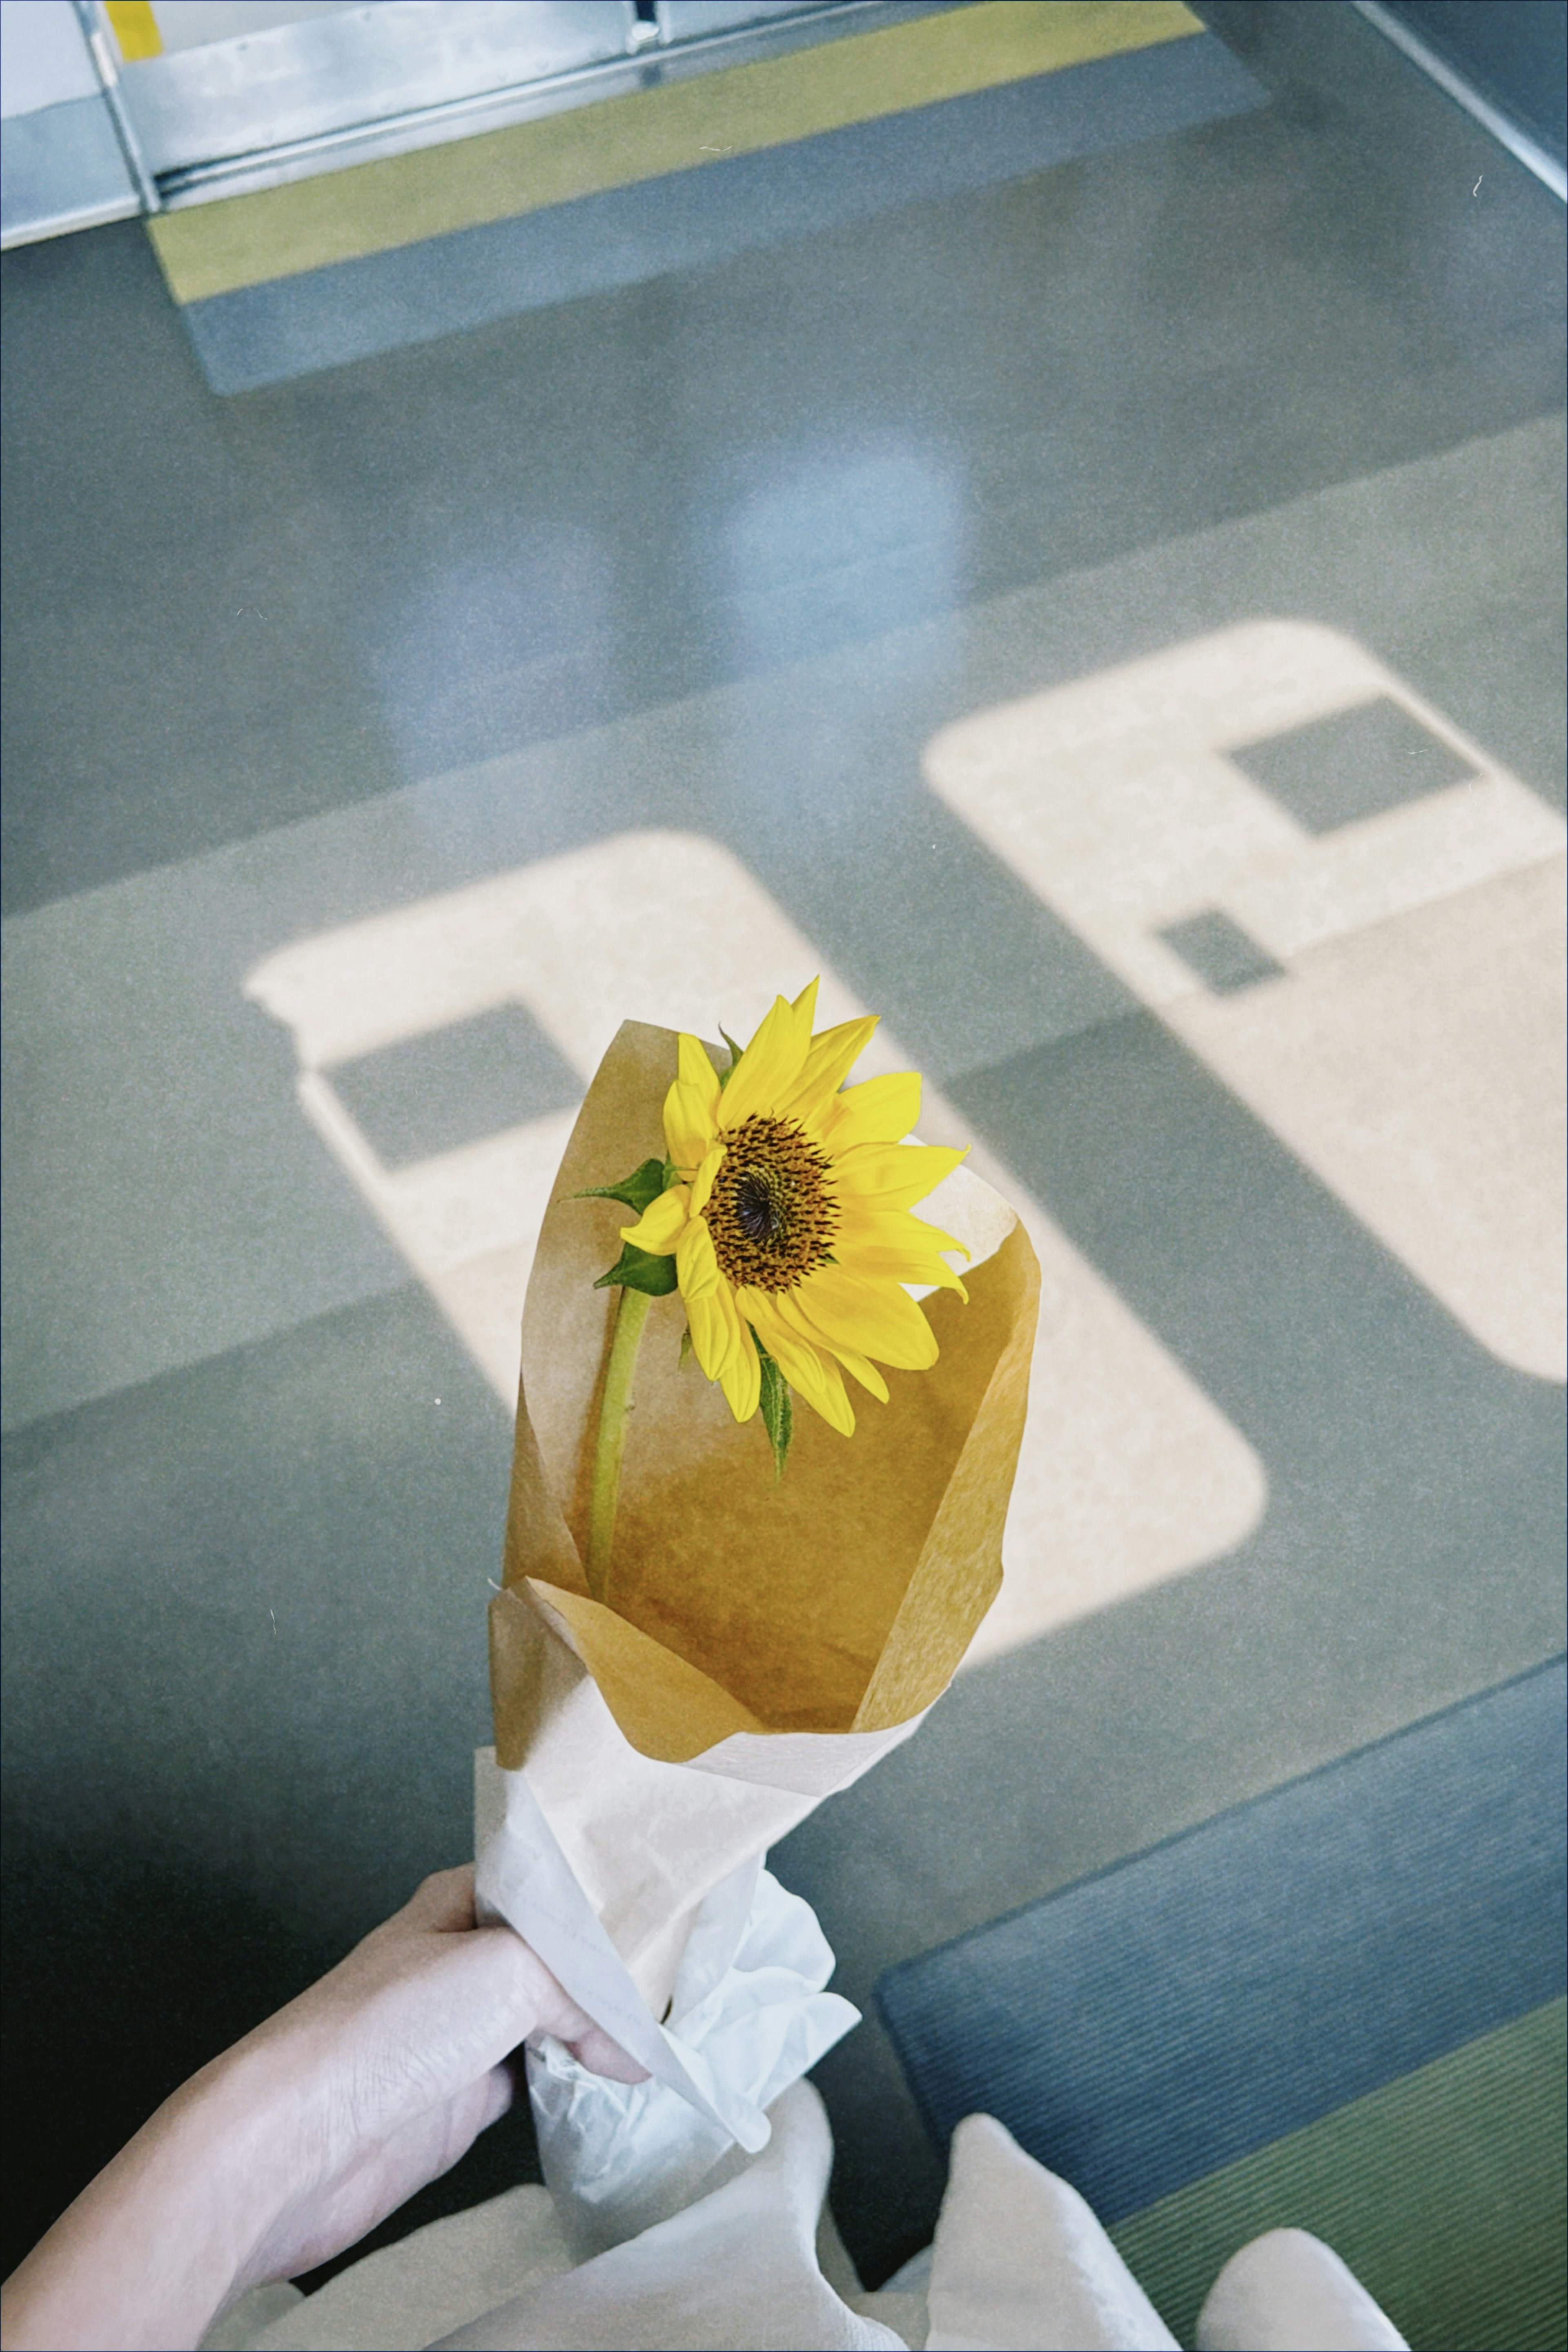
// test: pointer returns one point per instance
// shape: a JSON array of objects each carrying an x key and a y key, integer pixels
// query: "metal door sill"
[
  {"x": 466, "y": 118},
  {"x": 1520, "y": 144}
]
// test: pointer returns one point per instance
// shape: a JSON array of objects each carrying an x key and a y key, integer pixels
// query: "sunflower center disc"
[{"x": 770, "y": 1213}]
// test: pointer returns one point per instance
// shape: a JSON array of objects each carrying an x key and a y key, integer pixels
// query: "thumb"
[
  {"x": 596, "y": 2051},
  {"x": 564, "y": 2019}
]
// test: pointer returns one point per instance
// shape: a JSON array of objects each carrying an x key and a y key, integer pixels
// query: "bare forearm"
[
  {"x": 308, "y": 2133},
  {"x": 153, "y": 2249}
]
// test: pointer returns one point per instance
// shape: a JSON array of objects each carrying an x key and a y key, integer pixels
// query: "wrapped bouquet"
[{"x": 728, "y": 1587}]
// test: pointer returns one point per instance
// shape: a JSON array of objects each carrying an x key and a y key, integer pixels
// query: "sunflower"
[{"x": 786, "y": 1208}]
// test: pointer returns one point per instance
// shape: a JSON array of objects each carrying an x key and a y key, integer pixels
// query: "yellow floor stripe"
[
  {"x": 238, "y": 241},
  {"x": 136, "y": 30}
]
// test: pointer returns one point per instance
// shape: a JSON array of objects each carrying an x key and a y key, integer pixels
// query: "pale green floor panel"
[{"x": 1444, "y": 2191}]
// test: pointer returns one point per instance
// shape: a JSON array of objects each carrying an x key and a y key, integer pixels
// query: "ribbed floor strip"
[
  {"x": 1445, "y": 2192},
  {"x": 1146, "y": 2027}
]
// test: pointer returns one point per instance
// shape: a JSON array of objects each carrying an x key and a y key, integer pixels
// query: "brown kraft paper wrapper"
[{"x": 762, "y": 1644}]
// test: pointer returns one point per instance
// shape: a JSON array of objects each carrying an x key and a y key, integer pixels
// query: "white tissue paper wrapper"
[{"x": 747, "y": 2017}]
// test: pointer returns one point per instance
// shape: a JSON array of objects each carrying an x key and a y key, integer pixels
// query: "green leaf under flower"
[
  {"x": 639, "y": 1190},
  {"x": 638, "y": 1269},
  {"x": 735, "y": 1054},
  {"x": 777, "y": 1409}
]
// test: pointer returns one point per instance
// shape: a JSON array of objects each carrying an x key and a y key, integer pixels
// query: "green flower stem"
[{"x": 613, "y": 1410}]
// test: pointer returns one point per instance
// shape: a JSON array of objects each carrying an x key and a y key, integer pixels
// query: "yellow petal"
[
  {"x": 814, "y": 1377},
  {"x": 694, "y": 1069},
  {"x": 892, "y": 1229},
  {"x": 831, "y": 1058},
  {"x": 718, "y": 1334},
  {"x": 691, "y": 1109},
  {"x": 713, "y": 1340},
  {"x": 892, "y": 1175},
  {"x": 702, "y": 1187},
  {"x": 730, "y": 1307},
  {"x": 695, "y": 1268},
  {"x": 662, "y": 1222},
  {"x": 878, "y": 1262},
  {"x": 865, "y": 1372},
  {"x": 818, "y": 1381},
  {"x": 742, "y": 1378},
  {"x": 772, "y": 1063},
  {"x": 883, "y": 1110},
  {"x": 871, "y": 1318}
]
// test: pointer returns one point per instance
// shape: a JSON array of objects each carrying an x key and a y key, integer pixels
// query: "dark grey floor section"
[
  {"x": 179, "y": 668},
  {"x": 1415, "y": 1525},
  {"x": 224, "y": 614},
  {"x": 1356, "y": 765},
  {"x": 456, "y": 1085},
  {"x": 244, "y": 1676},
  {"x": 1514, "y": 52},
  {"x": 691, "y": 220}
]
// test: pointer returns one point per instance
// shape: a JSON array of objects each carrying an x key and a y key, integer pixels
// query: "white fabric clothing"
[
  {"x": 1018, "y": 2264},
  {"x": 407, "y": 2296},
  {"x": 1286, "y": 2292},
  {"x": 737, "y": 2268}
]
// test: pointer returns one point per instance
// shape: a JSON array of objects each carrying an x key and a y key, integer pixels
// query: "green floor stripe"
[
  {"x": 235, "y": 241},
  {"x": 1444, "y": 2192}
]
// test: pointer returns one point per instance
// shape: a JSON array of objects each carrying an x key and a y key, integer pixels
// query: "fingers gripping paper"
[{"x": 761, "y": 1644}]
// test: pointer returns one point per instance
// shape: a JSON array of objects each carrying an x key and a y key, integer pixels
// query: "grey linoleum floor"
[{"x": 721, "y": 556}]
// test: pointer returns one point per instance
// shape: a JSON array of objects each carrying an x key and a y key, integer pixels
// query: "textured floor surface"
[
  {"x": 1337, "y": 2007},
  {"x": 1109, "y": 622}
]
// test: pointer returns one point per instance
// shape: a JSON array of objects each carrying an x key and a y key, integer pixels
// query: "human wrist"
[
  {"x": 240, "y": 2131},
  {"x": 286, "y": 2114},
  {"x": 169, "y": 2231}
]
